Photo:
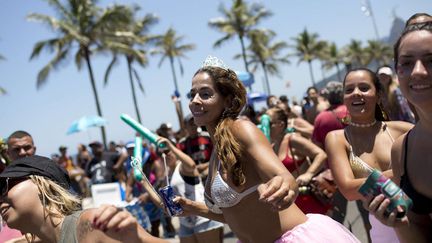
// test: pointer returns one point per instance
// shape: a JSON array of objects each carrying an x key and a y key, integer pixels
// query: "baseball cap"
[
  {"x": 130, "y": 144},
  {"x": 95, "y": 143},
  {"x": 62, "y": 147},
  {"x": 333, "y": 91},
  {"x": 385, "y": 70},
  {"x": 36, "y": 165}
]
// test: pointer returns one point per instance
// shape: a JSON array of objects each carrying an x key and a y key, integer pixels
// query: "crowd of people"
[{"x": 290, "y": 186}]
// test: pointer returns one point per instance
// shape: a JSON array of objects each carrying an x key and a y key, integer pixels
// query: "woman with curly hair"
[{"x": 247, "y": 186}]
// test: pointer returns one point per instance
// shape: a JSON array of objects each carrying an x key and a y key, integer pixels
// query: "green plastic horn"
[
  {"x": 142, "y": 130},
  {"x": 265, "y": 125},
  {"x": 138, "y": 155}
]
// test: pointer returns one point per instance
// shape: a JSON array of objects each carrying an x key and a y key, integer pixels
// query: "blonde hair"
[
  {"x": 56, "y": 200},
  {"x": 227, "y": 147}
]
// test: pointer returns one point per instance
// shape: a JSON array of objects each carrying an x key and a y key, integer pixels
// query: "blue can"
[{"x": 167, "y": 193}]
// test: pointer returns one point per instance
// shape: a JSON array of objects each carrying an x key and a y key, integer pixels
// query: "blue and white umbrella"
[
  {"x": 85, "y": 122},
  {"x": 255, "y": 97}
]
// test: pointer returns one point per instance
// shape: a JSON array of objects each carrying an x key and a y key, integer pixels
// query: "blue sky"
[{"x": 48, "y": 112}]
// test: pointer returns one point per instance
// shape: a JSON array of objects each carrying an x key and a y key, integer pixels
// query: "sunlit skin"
[
  {"x": 267, "y": 223},
  {"x": 206, "y": 103},
  {"x": 22, "y": 209},
  {"x": 301, "y": 146},
  {"x": 360, "y": 97},
  {"x": 414, "y": 70},
  {"x": 20, "y": 147},
  {"x": 371, "y": 144}
]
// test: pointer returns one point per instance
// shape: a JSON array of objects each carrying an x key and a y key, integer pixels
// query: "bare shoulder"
[
  {"x": 85, "y": 230},
  {"x": 335, "y": 137},
  {"x": 400, "y": 127},
  {"x": 245, "y": 131}
]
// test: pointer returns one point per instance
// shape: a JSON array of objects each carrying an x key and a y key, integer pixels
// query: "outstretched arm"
[
  {"x": 111, "y": 224},
  {"x": 197, "y": 208},
  {"x": 279, "y": 188},
  {"x": 188, "y": 166}
]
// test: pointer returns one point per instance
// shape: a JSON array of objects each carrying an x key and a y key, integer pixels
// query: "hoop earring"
[{"x": 383, "y": 113}]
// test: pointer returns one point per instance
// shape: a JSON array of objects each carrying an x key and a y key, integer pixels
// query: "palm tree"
[
  {"x": 332, "y": 57},
  {"x": 307, "y": 48},
  {"x": 124, "y": 42},
  {"x": 353, "y": 54},
  {"x": 168, "y": 46},
  {"x": 2, "y": 90},
  {"x": 238, "y": 21},
  {"x": 266, "y": 54},
  {"x": 80, "y": 24},
  {"x": 378, "y": 51}
]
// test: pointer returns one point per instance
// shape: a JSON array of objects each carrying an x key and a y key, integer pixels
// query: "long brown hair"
[{"x": 227, "y": 147}]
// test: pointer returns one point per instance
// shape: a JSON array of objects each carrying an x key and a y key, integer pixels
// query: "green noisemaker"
[
  {"x": 265, "y": 125},
  {"x": 146, "y": 133},
  {"x": 138, "y": 155}
]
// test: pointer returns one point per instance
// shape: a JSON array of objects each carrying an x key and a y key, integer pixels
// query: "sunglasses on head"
[
  {"x": 419, "y": 26},
  {"x": 10, "y": 183}
]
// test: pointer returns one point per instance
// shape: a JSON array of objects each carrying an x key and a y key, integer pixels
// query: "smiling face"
[
  {"x": 414, "y": 68},
  {"x": 206, "y": 103},
  {"x": 360, "y": 95},
  {"x": 21, "y": 203}
]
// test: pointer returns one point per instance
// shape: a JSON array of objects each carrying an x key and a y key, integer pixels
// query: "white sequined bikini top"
[{"x": 223, "y": 196}]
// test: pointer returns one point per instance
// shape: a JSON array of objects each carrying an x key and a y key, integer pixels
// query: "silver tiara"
[{"x": 211, "y": 61}]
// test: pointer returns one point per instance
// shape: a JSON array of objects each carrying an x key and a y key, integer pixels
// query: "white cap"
[{"x": 385, "y": 70}]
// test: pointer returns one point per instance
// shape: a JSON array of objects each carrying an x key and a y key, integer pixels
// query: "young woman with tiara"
[{"x": 248, "y": 187}]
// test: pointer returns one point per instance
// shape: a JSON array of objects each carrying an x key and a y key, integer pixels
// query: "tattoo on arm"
[{"x": 83, "y": 229}]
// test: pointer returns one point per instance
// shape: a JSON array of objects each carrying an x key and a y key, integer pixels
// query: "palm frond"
[
  {"x": 43, "y": 74},
  {"x": 109, "y": 68}
]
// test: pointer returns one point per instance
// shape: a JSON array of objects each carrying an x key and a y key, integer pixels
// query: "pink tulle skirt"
[{"x": 318, "y": 228}]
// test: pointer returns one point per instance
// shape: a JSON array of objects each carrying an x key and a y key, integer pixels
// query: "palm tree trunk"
[
  {"x": 244, "y": 53},
  {"x": 129, "y": 62},
  {"x": 264, "y": 67},
  {"x": 311, "y": 74},
  {"x": 338, "y": 71},
  {"x": 174, "y": 74},
  {"x": 177, "y": 90},
  {"x": 322, "y": 72},
  {"x": 93, "y": 85}
]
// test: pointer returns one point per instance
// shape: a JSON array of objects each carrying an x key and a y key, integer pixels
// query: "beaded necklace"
[{"x": 370, "y": 124}]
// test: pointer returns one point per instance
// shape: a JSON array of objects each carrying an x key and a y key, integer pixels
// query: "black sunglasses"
[
  {"x": 419, "y": 26},
  {"x": 10, "y": 183}
]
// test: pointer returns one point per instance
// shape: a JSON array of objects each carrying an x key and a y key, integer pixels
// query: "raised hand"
[
  {"x": 277, "y": 193},
  {"x": 116, "y": 223}
]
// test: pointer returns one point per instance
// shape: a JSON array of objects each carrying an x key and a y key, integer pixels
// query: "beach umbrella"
[
  {"x": 255, "y": 97},
  {"x": 85, "y": 122}
]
